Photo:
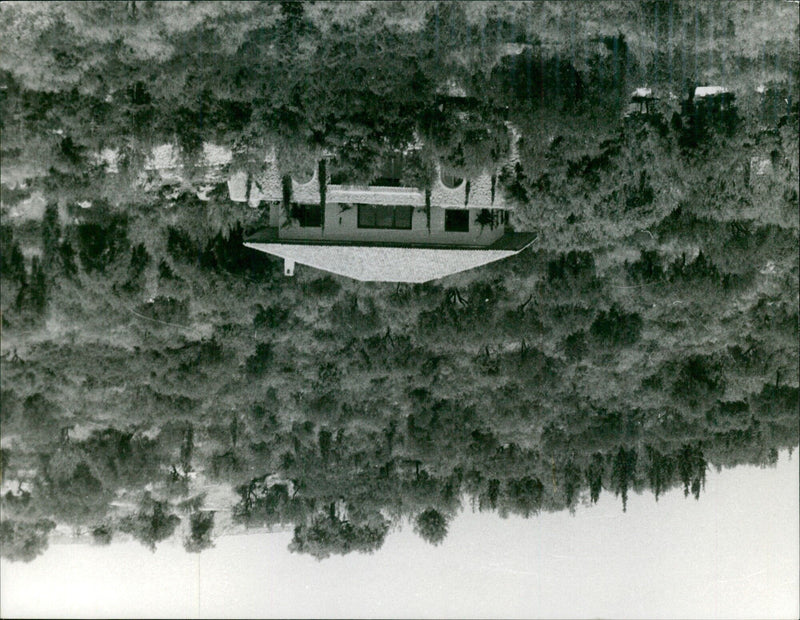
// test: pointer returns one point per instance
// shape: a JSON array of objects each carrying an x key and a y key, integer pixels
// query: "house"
[
  {"x": 702, "y": 92},
  {"x": 713, "y": 98},
  {"x": 384, "y": 232}
]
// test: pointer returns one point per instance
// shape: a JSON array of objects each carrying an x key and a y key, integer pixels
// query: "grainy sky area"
[{"x": 732, "y": 554}]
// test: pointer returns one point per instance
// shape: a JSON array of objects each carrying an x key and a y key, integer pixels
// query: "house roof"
[
  {"x": 642, "y": 93},
  {"x": 707, "y": 91},
  {"x": 394, "y": 263}
]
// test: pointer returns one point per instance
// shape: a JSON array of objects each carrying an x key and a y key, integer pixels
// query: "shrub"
[
  {"x": 575, "y": 345},
  {"x": 616, "y": 326},
  {"x": 201, "y": 524},
  {"x": 323, "y": 287},
  {"x": 166, "y": 309},
  {"x": 575, "y": 265},
  {"x": 270, "y": 317},
  {"x": 431, "y": 525},
  {"x": 99, "y": 245},
  {"x": 698, "y": 377},
  {"x": 257, "y": 363}
]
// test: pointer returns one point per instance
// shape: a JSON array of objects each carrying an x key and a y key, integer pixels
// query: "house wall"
[
  {"x": 480, "y": 194},
  {"x": 267, "y": 187},
  {"x": 341, "y": 224}
]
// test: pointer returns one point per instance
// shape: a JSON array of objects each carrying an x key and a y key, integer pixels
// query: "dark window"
[
  {"x": 456, "y": 220},
  {"x": 309, "y": 216},
  {"x": 402, "y": 217},
  {"x": 381, "y": 216}
]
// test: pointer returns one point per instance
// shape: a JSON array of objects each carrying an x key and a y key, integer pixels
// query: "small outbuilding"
[{"x": 716, "y": 98}]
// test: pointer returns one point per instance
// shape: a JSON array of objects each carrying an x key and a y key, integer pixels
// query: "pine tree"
[
  {"x": 12, "y": 261},
  {"x": 51, "y": 233},
  {"x": 38, "y": 287}
]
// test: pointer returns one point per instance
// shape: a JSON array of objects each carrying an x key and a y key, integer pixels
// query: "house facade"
[{"x": 386, "y": 232}]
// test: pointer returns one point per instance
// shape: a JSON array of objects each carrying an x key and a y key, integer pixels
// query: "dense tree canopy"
[{"x": 148, "y": 357}]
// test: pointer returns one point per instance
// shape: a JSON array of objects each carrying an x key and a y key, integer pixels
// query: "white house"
[
  {"x": 714, "y": 97},
  {"x": 381, "y": 233}
]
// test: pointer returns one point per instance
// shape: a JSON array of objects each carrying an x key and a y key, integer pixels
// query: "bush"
[
  {"x": 524, "y": 496},
  {"x": 647, "y": 269},
  {"x": 616, "y": 326},
  {"x": 24, "y": 541},
  {"x": 153, "y": 523},
  {"x": 181, "y": 246},
  {"x": 102, "y": 535},
  {"x": 347, "y": 314},
  {"x": 99, "y": 245},
  {"x": 574, "y": 265},
  {"x": 431, "y": 525},
  {"x": 698, "y": 377},
  {"x": 32, "y": 296},
  {"x": 12, "y": 261},
  {"x": 270, "y": 317},
  {"x": 326, "y": 535},
  {"x": 201, "y": 524},
  {"x": 166, "y": 309},
  {"x": 638, "y": 196},
  {"x": 699, "y": 270},
  {"x": 258, "y": 363},
  {"x": 323, "y": 287},
  {"x": 575, "y": 345}
]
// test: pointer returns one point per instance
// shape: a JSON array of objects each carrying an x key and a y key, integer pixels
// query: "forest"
[{"x": 160, "y": 380}]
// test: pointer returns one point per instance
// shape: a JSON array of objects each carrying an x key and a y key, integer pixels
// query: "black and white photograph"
[{"x": 397, "y": 309}]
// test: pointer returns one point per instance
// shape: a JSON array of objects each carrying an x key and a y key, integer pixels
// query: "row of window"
[
  {"x": 383, "y": 216},
  {"x": 387, "y": 217}
]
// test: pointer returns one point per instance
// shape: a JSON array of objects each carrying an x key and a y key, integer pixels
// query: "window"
[
  {"x": 492, "y": 218},
  {"x": 456, "y": 220},
  {"x": 450, "y": 181},
  {"x": 382, "y": 216},
  {"x": 309, "y": 216}
]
